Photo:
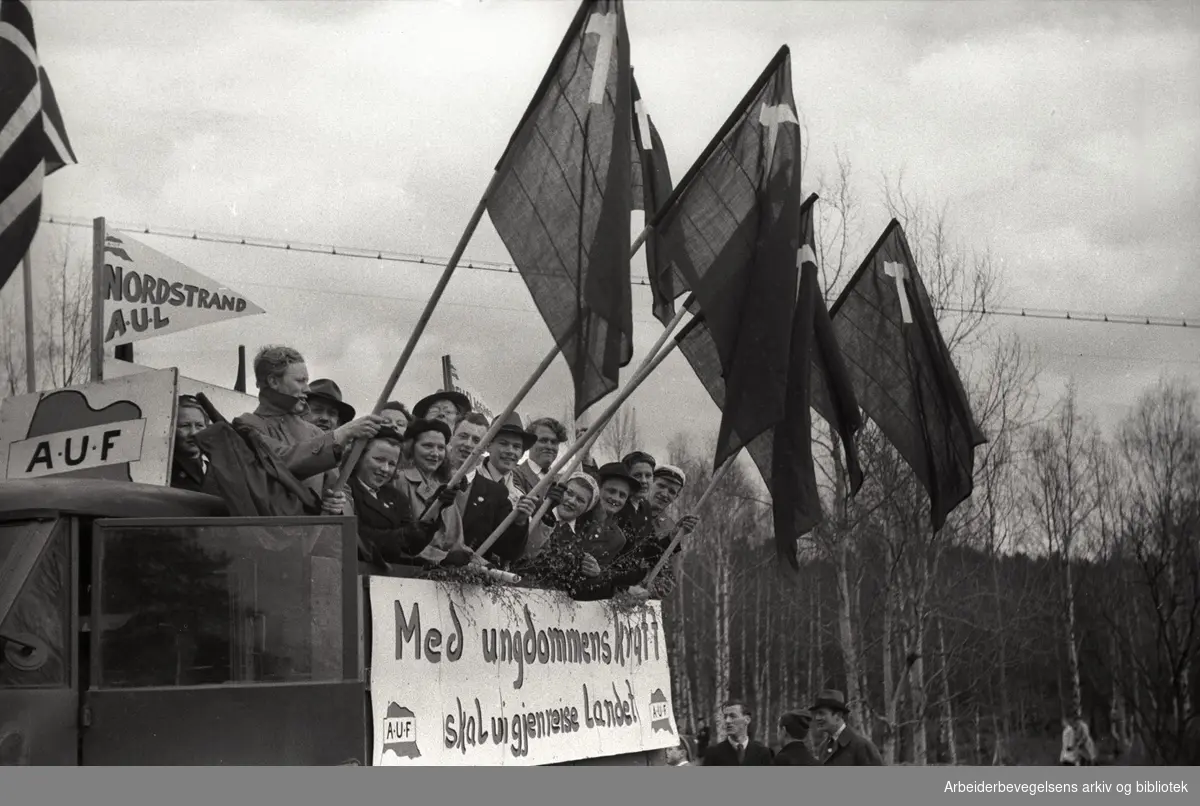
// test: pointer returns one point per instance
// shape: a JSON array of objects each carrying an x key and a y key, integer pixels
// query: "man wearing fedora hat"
[
  {"x": 504, "y": 451},
  {"x": 326, "y": 410},
  {"x": 842, "y": 746},
  {"x": 447, "y": 406},
  {"x": 793, "y": 729}
]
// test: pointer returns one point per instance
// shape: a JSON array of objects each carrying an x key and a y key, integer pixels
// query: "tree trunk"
[
  {"x": 1004, "y": 727},
  {"x": 948, "y": 737},
  {"x": 1071, "y": 645},
  {"x": 820, "y": 644},
  {"x": 887, "y": 747},
  {"x": 916, "y": 671},
  {"x": 846, "y": 636},
  {"x": 723, "y": 602}
]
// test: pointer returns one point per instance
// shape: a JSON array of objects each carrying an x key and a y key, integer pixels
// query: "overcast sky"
[{"x": 1064, "y": 137}]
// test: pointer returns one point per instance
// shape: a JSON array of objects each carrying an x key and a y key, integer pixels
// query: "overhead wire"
[{"x": 477, "y": 264}]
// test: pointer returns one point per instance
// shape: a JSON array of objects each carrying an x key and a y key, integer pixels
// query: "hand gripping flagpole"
[
  {"x": 358, "y": 445},
  {"x": 655, "y": 357},
  {"x": 712, "y": 485}
]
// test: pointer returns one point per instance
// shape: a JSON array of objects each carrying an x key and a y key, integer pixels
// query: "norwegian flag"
[{"x": 33, "y": 140}]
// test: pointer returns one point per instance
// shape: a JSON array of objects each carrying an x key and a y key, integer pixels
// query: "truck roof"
[{"x": 104, "y": 498}]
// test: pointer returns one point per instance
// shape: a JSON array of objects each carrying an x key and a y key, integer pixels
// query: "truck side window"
[
  {"x": 33, "y": 636},
  {"x": 219, "y": 605}
]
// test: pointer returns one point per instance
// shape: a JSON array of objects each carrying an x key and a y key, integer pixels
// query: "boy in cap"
[
  {"x": 793, "y": 728},
  {"x": 504, "y": 451}
]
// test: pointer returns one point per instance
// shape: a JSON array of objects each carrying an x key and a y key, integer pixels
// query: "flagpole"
[
  {"x": 97, "y": 345},
  {"x": 648, "y": 366},
  {"x": 712, "y": 485},
  {"x": 30, "y": 353},
  {"x": 497, "y": 424},
  {"x": 358, "y": 445}
]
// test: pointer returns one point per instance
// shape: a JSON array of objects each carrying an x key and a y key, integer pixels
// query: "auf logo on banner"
[{"x": 400, "y": 732}]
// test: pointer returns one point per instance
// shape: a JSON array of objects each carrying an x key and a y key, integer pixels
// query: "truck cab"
[{"x": 141, "y": 624}]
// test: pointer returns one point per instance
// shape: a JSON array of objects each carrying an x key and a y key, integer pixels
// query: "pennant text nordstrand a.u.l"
[{"x": 148, "y": 294}]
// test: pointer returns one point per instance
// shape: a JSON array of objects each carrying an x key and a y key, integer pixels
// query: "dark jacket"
[
  {"x": 187, "y": 474},
  {"x": 794, "y": 754},
  {"x": 851, "y": 750},
  {"x": 723, "y": 754},
  {"x": 247, "y": 473},
  {"x": 487, "y": 506},
  {"x": 305, "y": 450},
  {"x": 524, "y": 479},
  {"x": 630, "y": 568}
]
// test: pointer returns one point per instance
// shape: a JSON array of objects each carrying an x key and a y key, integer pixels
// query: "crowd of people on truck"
[{"x": 603, "y": 529}]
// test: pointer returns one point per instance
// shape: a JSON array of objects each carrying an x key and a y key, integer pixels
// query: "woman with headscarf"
[
  {"x": 388, "y": 529},
  {"x": 558, "y": 557},
  {"x": 616, "y": 486}
]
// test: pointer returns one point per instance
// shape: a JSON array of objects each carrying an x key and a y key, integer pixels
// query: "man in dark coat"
[
  {"x": 794, "y": 729},
  {"x": 189, "y": 465},
  {"x": 842, "y": 747},
  {"x": 737, "y": 749}
]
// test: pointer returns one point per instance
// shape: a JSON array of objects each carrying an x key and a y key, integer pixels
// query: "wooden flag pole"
[
  {"x": 97, "y": 345},
  {"x": 648, "y": 366},
  {"x": 712, "y": 485},
  {"x": 640, "y": 239},
  {"x": 30, "y": 353},
  {"x": 497, "y": 424},
  {"x": 356, "y": 449}
]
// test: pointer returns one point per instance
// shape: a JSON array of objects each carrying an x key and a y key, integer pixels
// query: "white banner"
[
  {"x": 148, "y": 294},
  {"x": 118, "y": 429},
  {"x": 466, "y": 676}
]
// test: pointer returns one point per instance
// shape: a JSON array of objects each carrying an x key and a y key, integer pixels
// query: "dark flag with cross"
[
  {"x": 817, "y": 377},
  {"x": 563, "y": 198},
  {"x": 732, "y": 230},
  {"x": 651, "y": 188},
  {"x": 33, "y": 140},
  {"x": 903, "y": 373}
]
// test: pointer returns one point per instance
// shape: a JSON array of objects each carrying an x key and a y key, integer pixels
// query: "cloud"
[{"x": 1063, "y": 137}]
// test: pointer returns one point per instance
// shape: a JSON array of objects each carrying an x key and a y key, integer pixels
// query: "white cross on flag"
[
  {"x": 900, "y": 274},
  {"x": 604, "y": 26},
  {"x": 772, "y": 117}
]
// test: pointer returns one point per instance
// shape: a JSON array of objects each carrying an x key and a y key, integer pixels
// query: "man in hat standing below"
[
  {"x": 737, "y": 749},
  {"x": 793, "y": 729},
  {"x": 325, "y": 407},
  {"x": 506, "y": 449},
  {"x": 449, "y": 407},
  {"x": 842, "y": 746}
]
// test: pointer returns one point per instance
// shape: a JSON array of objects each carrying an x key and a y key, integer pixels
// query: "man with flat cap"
[
  {"x": 504, "y": 451},
  {"x": 793, "y": 730},
  {"x": 842, "y": 747},
  {"x": 326, "y": 410},
  {"x": 447, "y": 406},
  {"x": 635, "y": 518}
]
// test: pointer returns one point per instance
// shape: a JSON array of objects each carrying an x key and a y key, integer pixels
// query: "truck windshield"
[
  {"x": 34, "y": 604},
  {"x": 218, "y": 604}
]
